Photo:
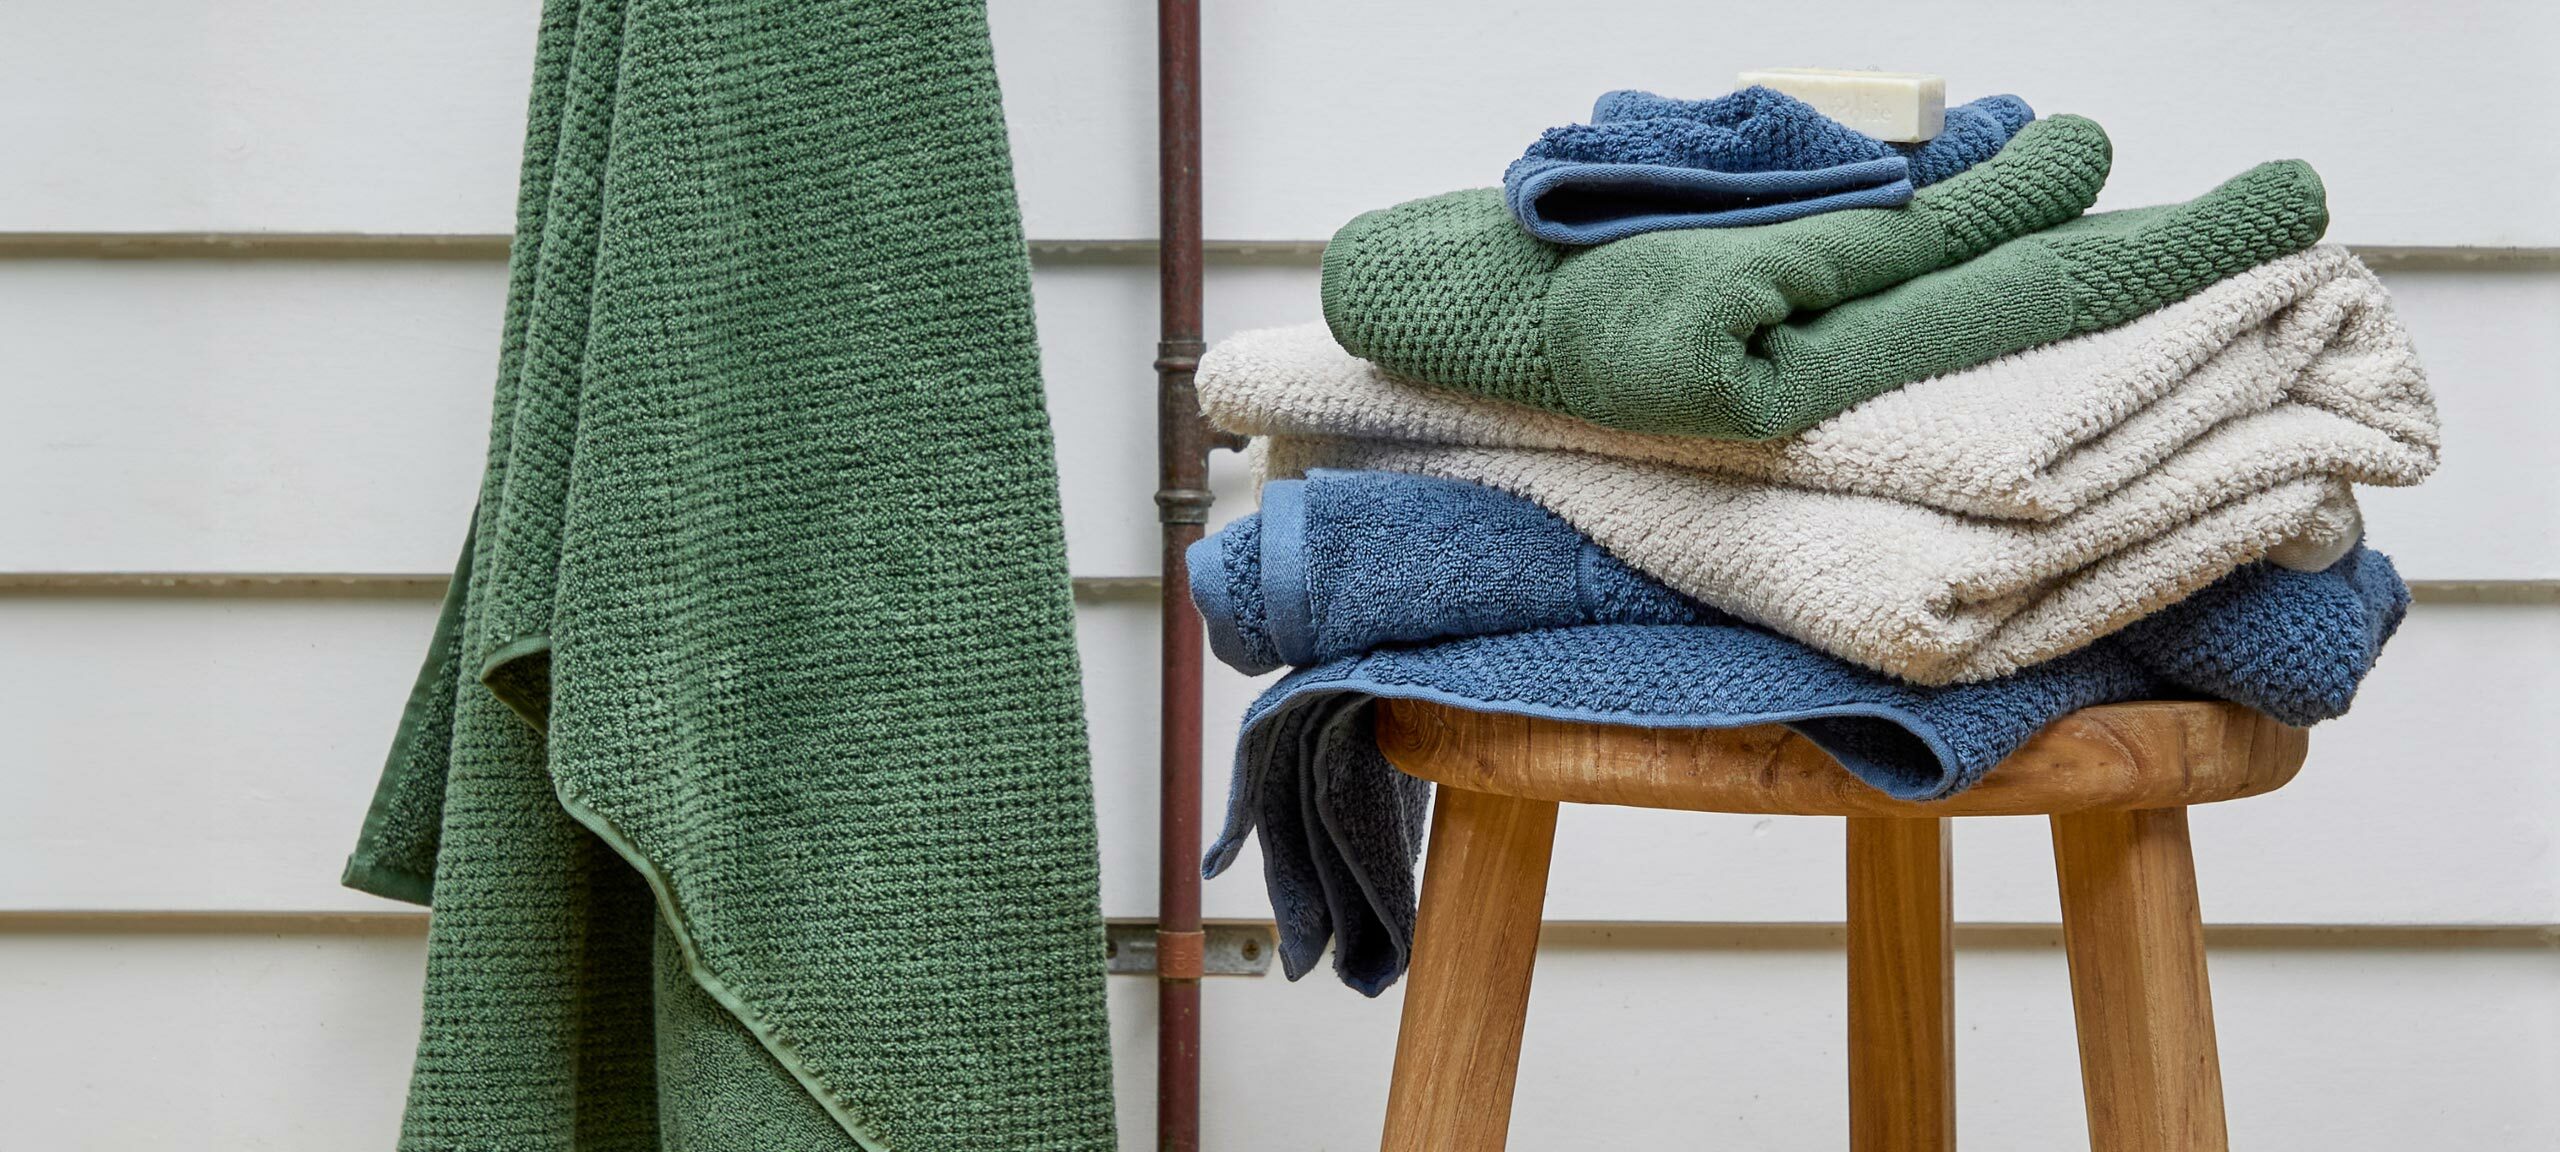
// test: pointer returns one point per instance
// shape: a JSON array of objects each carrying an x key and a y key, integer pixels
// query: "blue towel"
[
  {"x": 1646, "y": 163},
  {"x": 1414, "y": 587},
  {"x": 1972, "y": 133},
  {"x": 1343, "y": 562}
]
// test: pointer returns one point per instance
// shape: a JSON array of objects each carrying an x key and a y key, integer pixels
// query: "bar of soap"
[{"x": 1905, "y": 107}]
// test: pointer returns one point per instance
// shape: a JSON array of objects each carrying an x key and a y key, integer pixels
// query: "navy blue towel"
[
  {"x": 1388, "y": 585},
  {"x": 1757, "y": 156}
]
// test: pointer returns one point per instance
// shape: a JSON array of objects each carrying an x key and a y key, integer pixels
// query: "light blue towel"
[
  {"x": 1412, "y": 587},
  {"x": 1646, "y": 163}
]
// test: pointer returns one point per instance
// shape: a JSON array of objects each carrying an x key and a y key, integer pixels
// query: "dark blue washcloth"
[
  {"x": 1518, "y": 613},
  {"x": 1646, "y": 163}
]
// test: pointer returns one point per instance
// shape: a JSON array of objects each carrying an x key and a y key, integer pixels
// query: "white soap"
[{"x": 1901, "y": 106}]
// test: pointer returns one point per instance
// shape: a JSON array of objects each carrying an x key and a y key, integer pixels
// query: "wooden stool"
[{"x": 2116, "y": 780}]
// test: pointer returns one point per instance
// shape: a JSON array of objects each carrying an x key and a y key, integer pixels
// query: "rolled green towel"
[{"x": 1753, "y": 333}]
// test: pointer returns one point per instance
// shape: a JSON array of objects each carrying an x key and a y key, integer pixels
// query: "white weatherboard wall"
[
  {"x": 312, "y": 115},
  {"x": 183, "y": 772}
]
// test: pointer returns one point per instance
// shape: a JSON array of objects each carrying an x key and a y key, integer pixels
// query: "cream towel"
[
  {"x": 2305, "y": 350},
  {"x": 1930, "y": 596},
  {"x": 2105, "y": 476}
]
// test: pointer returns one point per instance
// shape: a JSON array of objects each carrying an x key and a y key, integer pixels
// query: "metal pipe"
[{"x": 1182, "y": 508}]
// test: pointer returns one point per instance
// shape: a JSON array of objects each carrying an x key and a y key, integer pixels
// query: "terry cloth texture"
[
  {"x": 2296, "y": 368},
  {"x": 1750, "y": 333},
  {"x": 1756, "y": 156},
  {"x": 1340, "y": 828},
  {"x": 1343, "y": 562},
  {"x": 747, "y": 772},
  {"x": 1931, "y": 596}
]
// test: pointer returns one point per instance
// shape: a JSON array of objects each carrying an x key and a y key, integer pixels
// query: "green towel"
[
  {"x": 747, "y": 771},
  {"x": 1753, "y": 333}
]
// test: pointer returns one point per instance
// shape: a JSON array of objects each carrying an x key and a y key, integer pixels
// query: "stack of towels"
[{"x": 1720, "y": 414}]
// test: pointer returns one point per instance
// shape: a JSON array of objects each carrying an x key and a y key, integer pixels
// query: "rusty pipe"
[{"x": 1182, "y": 510}]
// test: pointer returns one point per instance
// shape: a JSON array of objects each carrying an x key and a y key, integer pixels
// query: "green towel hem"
[
  {"x": 388, "y": 882},
  {"x": 779, "y": 1045},
  {"x": 364, "y": 872},
  {"x": 519, "y": 680}
]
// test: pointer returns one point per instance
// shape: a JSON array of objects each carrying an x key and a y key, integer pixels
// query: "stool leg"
[
  {"x": 2136, "y": 940},
  {"x": 1466, "y": 997},
  {"x": 1902, "y": 1037}
]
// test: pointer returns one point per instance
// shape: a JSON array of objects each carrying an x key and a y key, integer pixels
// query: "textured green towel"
[
  {"x": 1751, "y": 333},
  {"x": 772, "y": 825}
]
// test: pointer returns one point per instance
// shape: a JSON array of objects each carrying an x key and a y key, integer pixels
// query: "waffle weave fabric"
[
  {"x": 1753, "y": 333},
  {"x": 747, "y": 772},
  {"x": 1772, "y": 129},
  {"x": 1756, "y": 156}
]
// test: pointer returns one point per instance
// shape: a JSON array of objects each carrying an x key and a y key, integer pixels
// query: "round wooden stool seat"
[
  {"x": 2116, "y": 781},
  {"x": 2154, "y": 754}
]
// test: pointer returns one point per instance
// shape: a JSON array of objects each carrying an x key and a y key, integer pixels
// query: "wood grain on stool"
[
  {"x": 1902, "y": 1037},
  {"x": 2135, "y": 936},
  {"x": 2145, "y": 755},
  {"x": 1484, "y": 889}
]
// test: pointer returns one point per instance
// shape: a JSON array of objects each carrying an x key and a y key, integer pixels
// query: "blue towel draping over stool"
[{"x": 1389, "y": 585}]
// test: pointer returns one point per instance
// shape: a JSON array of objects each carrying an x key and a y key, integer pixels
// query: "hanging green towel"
[
  {"x": 1753, "y": 333},
  {"x": 747, "y": 773}
]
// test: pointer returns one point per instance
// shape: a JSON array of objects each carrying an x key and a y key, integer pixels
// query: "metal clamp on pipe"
[{"x": 1181, "y": 955}]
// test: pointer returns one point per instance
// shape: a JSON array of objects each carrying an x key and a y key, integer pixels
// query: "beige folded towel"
[
  {"x": 2308, "y": 345},
  {"x": 1961, "y": 527}
]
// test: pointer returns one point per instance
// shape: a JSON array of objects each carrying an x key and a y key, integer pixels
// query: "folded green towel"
[{"x": 1753, "y": 333}]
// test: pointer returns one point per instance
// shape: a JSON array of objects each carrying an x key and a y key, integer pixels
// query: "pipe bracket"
[{"x": 1132, "y": 948}]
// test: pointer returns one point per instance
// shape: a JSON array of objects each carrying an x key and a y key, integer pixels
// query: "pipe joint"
[
  {"x": 1179, "y": 356},
  {"x": 1184, "y": 505}
]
